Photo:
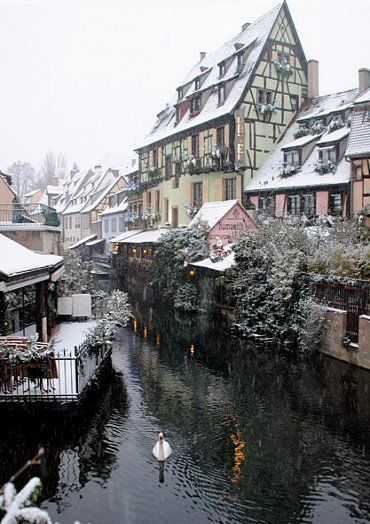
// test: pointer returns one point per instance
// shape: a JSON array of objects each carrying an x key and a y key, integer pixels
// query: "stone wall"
[
  {"x": 334, "y": 345},
  {"x": 44, "y": 240}
]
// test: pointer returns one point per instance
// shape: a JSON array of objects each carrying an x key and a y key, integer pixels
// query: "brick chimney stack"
[
  {"x": 363, "y": 80},
  {"x": 313, "y": 78}
]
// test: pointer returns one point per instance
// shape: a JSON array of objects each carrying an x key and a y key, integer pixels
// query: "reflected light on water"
[
  {"x": 239, "y": 456},
  {"x": 192, "y": 350},
  {"x": 135, "y": 325},
  {"x": 145, "y": 333}
]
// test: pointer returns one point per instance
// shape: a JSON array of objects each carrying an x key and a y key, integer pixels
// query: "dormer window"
[
  {"x": 180, "y": 93},
  {"x": 195, "y": 104},
  {"x": 292, "y": 158},
  {"x": 222, "y": 69},
  {"x": 328, "y": 154},
  {"x": 240, "y": 60},
  {"x": 221, "y": 94},
  {"x": 197, "y": 84}
]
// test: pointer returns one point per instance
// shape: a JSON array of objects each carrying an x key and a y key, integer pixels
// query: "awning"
[
  {"x": 82, "y": 241},
  {"x": 126, "y": 234},
  {"x": 146, "y": 237},
  {"x": 95, "y": 242}
]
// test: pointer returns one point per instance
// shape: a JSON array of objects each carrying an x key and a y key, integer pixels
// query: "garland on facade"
[
  {"x": 27, "y": 352},
  {"x": 325, "y": 167}
]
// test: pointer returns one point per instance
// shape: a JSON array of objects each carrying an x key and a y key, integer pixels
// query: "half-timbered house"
[{"x": 226, "y": 116}]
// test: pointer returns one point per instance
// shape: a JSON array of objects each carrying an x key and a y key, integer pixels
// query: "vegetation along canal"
[{"x": 256, "y": 437}]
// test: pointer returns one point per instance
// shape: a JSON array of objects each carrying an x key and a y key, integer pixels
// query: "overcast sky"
[{"x": 88, "y": 76}]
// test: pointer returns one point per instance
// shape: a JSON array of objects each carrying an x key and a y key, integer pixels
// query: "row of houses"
[{"x": 247, "y": 123}]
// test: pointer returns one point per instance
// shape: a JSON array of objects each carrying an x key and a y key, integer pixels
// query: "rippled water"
[{"x": 256, "y": 437}]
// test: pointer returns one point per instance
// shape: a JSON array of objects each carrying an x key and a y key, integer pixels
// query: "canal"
[{"x": 256, "y": 437}]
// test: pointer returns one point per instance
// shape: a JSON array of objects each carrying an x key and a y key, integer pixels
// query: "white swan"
[{"x": 162, "y": 449}]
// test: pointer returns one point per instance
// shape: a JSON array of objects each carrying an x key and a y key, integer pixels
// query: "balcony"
[{"x": 32, "y": 215}]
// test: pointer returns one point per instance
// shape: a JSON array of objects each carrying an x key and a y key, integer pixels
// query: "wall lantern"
[{"x": 192, "y": 273}]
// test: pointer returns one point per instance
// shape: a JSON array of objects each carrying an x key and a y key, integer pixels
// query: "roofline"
[
  {"x": 295, "y": 188},
  {"x": 24, "y": 275}
]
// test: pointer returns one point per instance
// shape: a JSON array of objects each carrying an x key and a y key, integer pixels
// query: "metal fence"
[
  {"x": 28, "y": 214},
  {"x": 59, "y": 379},
  {"x": 353, "y": 298}
]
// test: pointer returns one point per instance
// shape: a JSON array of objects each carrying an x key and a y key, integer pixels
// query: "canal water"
[{"x": 256, "y": 437}]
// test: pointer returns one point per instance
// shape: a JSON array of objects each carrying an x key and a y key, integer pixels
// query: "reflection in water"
[{"x": 255, "y": 436}]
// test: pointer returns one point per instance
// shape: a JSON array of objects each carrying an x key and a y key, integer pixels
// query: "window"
[
  {"x": 299, "y": 204},
  {"x": 197, "y": 84},
  {"x": 70, "y": 222},
  {"x": 180, "y": 93},
  {"x": 195, "y": 145},
  {"x": 221, "y": 95},
  {"x": 121, "y": 224},
  {"x": 222, "y": 69},
  {"x": 267, "y": 204},
  {"x": 155, "y": 157},
  {"x": 157, "y": 200},
  {"x": 336, "y": 203},
  {"x": 264, "y": 96},
  {"x": 176, "y": 180},
  {"x": 283, "y": 57},
  {"x": 357, "y": 170},
  {"x": 309, "y": 204},
  {"x": 328, "y": 154},
  {"x": 240, "y": 138},
  {"x": 168, "y": 167},
  {"x": 292, "y": 158},
  {"x": 106, "y": 225},
  {"x": 175, "y": 217},
  {"x": 195, "y": 104},
  {"x": 294, "y": 100},
  {"x": 304, "y": 92},
  {"x": 240, "y": 60},
  {"x": 230, "y": 189},
  {"x": 221, "y": 137},
  {"x": 197, "y": 195},
  {"x": 294, "y": 205},
  {"x": 114, "y": 225},
  {"x": 267, "y": 55},
  {"x": 166, "y": 209},
  {"x": 149, "y": 199}
]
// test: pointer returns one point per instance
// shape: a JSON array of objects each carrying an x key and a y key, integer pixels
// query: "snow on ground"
[{"x": 71, "y": 334}]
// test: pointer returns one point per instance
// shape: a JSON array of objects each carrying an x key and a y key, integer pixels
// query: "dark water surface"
[{"x": 255, "y": 437}]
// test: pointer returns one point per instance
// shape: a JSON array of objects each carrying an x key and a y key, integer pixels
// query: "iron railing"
[
  {"x": 353, "y": 297},
  {"x": 28, "y": 215},
  {"x": 63, "y": 378}
]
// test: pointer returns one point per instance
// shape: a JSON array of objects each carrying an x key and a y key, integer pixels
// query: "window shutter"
[
  {"x": 189, "y": 146},
  {"x": 201, "y": 144},
  {"x": 219, "y": 189},
  {"x": 239, "y": 188},
  {"x": 145, "y": 199},
  {"x": 205, "y": 191},
  {"x": 187, "y": 194}
]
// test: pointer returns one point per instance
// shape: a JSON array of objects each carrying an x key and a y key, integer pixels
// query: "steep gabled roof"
[
  {"x": 213, "y": 212},
  {"x": 268, "y": 177},
  {"x": 254, "y": 38},
  {"x": 359, "y": 138}
]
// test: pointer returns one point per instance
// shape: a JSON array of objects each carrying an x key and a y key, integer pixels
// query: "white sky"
[{"x": 88, "y": 76}]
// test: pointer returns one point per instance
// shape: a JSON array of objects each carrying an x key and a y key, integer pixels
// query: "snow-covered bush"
[
  {"x": 174, "y": 251},
  {"x": 116, "y": 313},
  {"x": 19, "y": 507},
  {"x": 186, "y": 298},
  {"x": 76, "y": 278}
]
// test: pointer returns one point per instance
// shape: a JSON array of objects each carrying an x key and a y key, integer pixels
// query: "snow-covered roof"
[
  {"x": 359, "y": 138},
  {"x": 213, "y": 212},
  {"x": 82, "y": 241},
  {"x": 221, "y": 265},
  {"x": 268, "y": 176},
  {"x": 16, "y": 259},
  {"x": 125, "y": 235},
  {"x": 301, "y": 141},
  {"x": 335, "y": 136},
  {"x": 146, "y": 237},
  {"x": 321, "y": 106},
  {"x": 31, "y": 193},
  {"x": 104, "y": 193},
  {"x": 54, "y": 190},
  {"x": 253, "y": 38},
  {"x": 95, "y": 242},
  {"x": 364, "y": 97},
  {"x": 118, "y": 208}
]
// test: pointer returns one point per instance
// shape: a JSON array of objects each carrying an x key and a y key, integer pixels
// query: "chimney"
[
  {"x": 245, "y": 26},
  {"x": 313, "y": 78},
  {"x": 363, "y": 80},
  {"x": 202, "y": 55},
  {"x": 54, "y": 181}
]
